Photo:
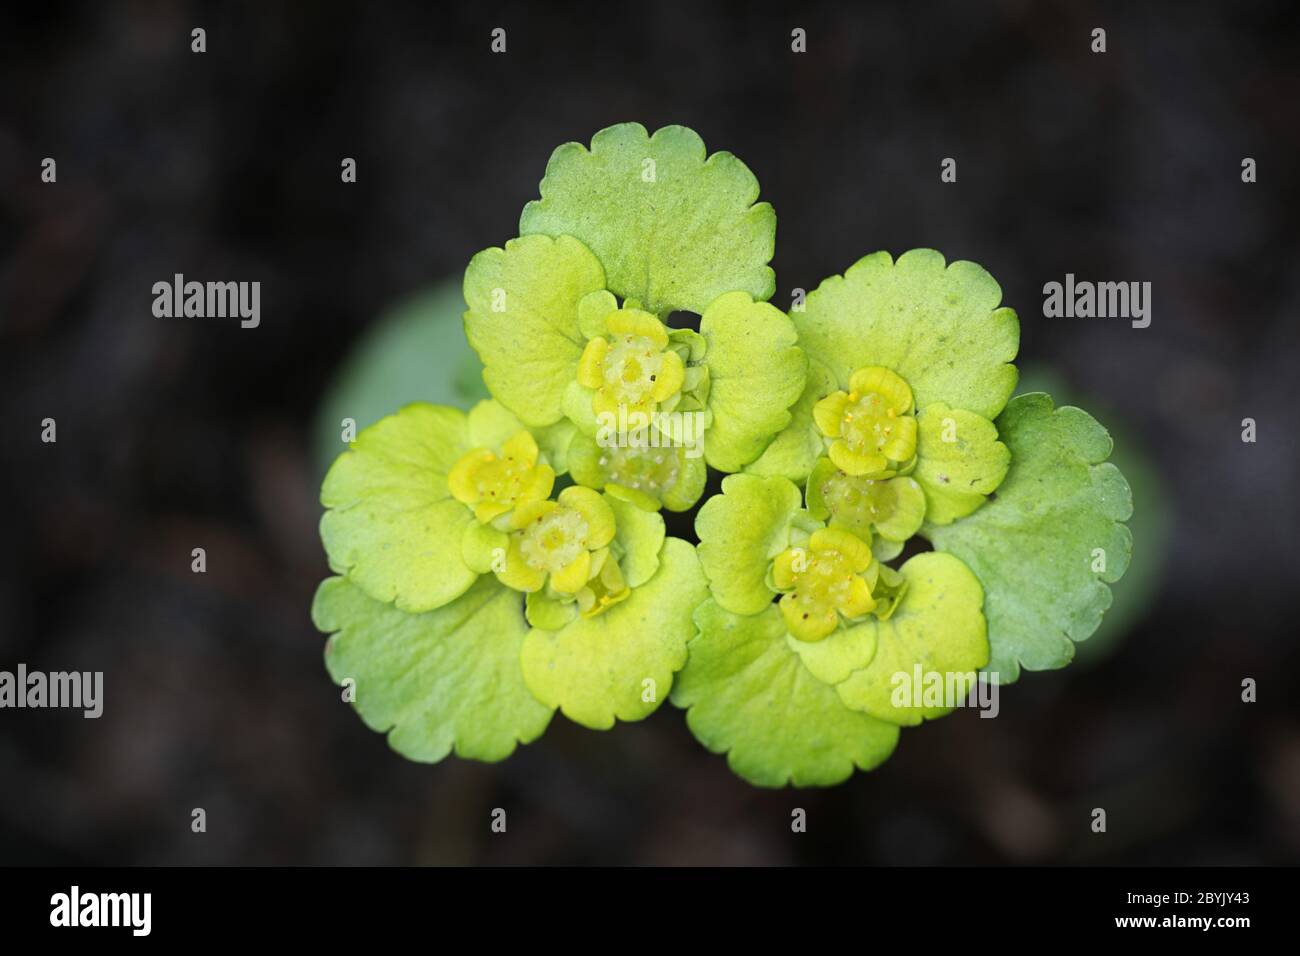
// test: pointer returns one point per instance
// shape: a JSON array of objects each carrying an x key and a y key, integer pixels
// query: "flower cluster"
[{"x": 889, "y": 512}]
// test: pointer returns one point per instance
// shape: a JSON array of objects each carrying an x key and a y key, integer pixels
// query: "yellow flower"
[
  {"x": 564, "y": 543},
  {"x": 871, "y": 428},
  {"x": 632, "y": 365},
  {"x": 832, "y": 577},
  {"x": 495, "y": 484},
  {"x": 606, "y": 587}
]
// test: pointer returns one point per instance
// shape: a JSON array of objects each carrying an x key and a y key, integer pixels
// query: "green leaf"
[
  {"x": 740, "y": 532},
  {"x": 1135, "y": 593},
  {"x": 415, "y": 353},
  {"x": 443, "y": 681},
  {"x": 938, "y": 626},
  {"x": 756, "y": 372},
  {"x": 391, "y": 525},
  {"x": 481, "y": 545},
  {"x": 1033, "y": 547},
  {"x": 639, "y": 536},
  {"x": 747, "y": 695},
  {"x": 491, "y": 425},
  {"x": 795, "y": 451},
  {"x": 555, "y": 441},
  {"x": 593, "y": 313},
  {"x": 575, "y": 405},
  {"x": 548, "y": 613},
  {"x": 957, "y": 475},
  {"x": 620, "y": 664},
  {"x": 672, "y": 229},
  {"x": 939, "y": 328},
  {"x": 523, "y": 320}
]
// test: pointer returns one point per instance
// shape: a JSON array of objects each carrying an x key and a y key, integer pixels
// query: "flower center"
[
  {"x": 503, "y": 480},
  {"x": 493, "y": 484},
  {"x": 832, "y": 577},
  {"x": 870, "y": 424},
  {"x": 825, "y": 582},
  {"x": 870, "y": 428},
  {"x": 632, "y": 367},
  {"x": 859, "y": 501},
  {"x": 605, "y": 589},
  {"x": 554, "y": 540},
  {"x": 652, "y": 470}
]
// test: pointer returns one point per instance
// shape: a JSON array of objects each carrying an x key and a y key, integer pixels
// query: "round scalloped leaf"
[
  {"x": 1134, "y": 594},
  {"x": 795, "y": 451},
  {"x": 446, "y": 680},
  {"x": 959, "y": 461},
  {"x": 740, "y": 532},
  {"x": 939, "y": 328},
  {"x": 672, "y": 229},
  {"x": 414, "y": 352},
  {"x": 938, "y": 627},
  {"x": 523, "y": 320},
  {"x": 391, "y": 525},
  {"x": 756, "y": 372},
  {"x": 748, "y": 696},
  {"x": 620, "y": 664},
  {"x": 1046, "y": 547}
]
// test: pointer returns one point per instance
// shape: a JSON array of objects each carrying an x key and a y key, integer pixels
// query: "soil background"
[{"x": 172, "y": 434}]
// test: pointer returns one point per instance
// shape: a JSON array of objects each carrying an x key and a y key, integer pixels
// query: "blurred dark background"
[{"x": 180, "y": 433}]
